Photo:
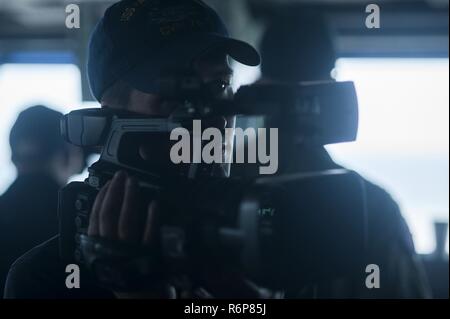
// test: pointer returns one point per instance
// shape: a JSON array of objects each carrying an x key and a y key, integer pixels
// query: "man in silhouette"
[
  {"x": 300, "y": 49},
  {"x": 131, "y": 47},
  {"x": 44, "y": 163}
]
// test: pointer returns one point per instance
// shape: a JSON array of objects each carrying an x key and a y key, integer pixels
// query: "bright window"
[
  {"x": 403, "y": 142},
  {"x": 22, "y": 85}
]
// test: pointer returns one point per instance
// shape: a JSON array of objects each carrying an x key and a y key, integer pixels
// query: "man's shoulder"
[
  {"x": 40, "y": 273},
  {"x": 380, "y": 202},
  {"x": 32, "y": 273},
  {"x": 45, "y": 254},
  {"x": 385, "y": 218},
  {"x": 377, "y": 196}
]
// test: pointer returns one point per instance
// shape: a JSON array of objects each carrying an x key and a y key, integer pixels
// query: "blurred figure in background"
[
  {"x": 300, "y": 49},
  {"x": 44, "y": 163}
]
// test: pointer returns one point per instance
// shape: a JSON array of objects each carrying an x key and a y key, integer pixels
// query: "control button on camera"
[{"x": 80, "y": 204}]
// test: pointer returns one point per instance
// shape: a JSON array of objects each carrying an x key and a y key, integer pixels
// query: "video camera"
[{"x": 277, "y": 231}]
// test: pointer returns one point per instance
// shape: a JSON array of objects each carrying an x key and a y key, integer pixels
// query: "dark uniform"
[
  {"x": 28, "y": 209},
  {"x": 28, "y": 217},
  {"x": 389, "y": 242},
  {"x": 41, "y": 274}
]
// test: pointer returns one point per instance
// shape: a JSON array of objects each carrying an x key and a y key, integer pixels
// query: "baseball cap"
[{"x": 137, "y": 40}]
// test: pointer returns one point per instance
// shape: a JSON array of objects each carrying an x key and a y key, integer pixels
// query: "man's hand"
[{"x": 117, "y": 213}]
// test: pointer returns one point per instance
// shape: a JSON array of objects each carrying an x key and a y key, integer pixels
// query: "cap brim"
[
  {"x": 195, "y": 44},
  {"x": 241, "y": 51},
  {"x": 182, "y": 52}
]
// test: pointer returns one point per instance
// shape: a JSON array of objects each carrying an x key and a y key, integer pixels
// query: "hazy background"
[{"x": 401, "y": 73}]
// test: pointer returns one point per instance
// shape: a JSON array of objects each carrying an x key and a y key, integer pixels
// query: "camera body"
[{"x": 275, "y": 231}]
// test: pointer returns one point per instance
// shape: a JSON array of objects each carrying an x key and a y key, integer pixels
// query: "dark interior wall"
[{"x": 409, "y": 27}]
